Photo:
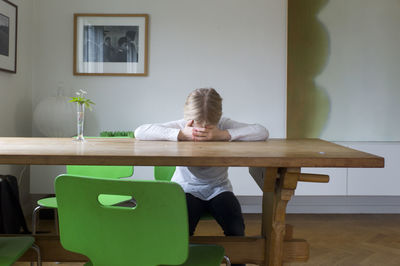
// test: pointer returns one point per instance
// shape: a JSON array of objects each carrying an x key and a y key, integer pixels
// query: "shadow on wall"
[{"x": 308, "y": 105}]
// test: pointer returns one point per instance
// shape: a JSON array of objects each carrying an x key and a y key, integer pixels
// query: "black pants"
[{"x": 225, "y": 208}]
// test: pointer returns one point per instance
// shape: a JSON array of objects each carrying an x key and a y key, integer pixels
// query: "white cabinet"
[
  {"x": 376, "y": 181},
  {"x": 359, "y": 181}
]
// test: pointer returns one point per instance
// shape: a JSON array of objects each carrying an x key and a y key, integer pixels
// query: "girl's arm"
[
  {"x": 165, "y": 131},
  {"x": 244, "y": 132}
]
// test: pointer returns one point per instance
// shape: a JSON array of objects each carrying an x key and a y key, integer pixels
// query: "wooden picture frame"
[
  {"x": 8, "y": 36},
  {"x": 111, "y": 44}
]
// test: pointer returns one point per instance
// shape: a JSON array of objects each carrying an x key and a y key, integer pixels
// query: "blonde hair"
[{"x": 204, "y": 106}]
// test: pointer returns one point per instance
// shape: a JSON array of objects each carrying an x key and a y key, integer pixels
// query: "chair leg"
[
  {"x": 56, "y": 221},
  {"x": 34, "y": 219},
  {"x": 35, "y": 211},
  {"x": 227, "y": 261},
  {"x": 39, "y": 259}
]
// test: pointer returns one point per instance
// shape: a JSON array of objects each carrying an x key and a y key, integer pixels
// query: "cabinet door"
[{"x": 376, "y": 181}]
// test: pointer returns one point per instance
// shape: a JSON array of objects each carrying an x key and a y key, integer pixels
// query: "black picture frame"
[
  {"x": 111, "y": 44},
  {"x": 8, "y": 36}
]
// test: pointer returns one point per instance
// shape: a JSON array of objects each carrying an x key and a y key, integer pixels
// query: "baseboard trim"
[{"x": 329, "y": 204}]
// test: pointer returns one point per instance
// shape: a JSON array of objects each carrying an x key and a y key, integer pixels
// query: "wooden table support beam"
[{"x": 238, "y": 249}]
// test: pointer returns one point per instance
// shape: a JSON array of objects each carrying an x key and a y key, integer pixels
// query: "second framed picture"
[
  {"x": 111, "y": 44},
  {"x": 8, "y": 36}
]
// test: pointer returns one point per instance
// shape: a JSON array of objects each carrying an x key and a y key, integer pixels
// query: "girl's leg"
[
  {"x": 196, "y": 208},
  {"x": 227, "y": 211}
]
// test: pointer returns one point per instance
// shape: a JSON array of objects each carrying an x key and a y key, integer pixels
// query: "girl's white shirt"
[{"x": 202, "y": 182}]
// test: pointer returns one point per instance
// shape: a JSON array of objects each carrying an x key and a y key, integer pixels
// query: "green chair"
[
  {"x": 153, "y": 232},
  {"x": 12, "y": 248},
  {"x": 114, "y": 172},
  {"x": 165, "y": 173}
]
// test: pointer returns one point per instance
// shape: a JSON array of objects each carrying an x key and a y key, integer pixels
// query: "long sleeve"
[
  {"x": 244, "y": 132},
  {"x": 166, "y": 131}
]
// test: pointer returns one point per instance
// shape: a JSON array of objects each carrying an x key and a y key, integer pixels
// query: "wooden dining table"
[{"x": 279, "y": 161}]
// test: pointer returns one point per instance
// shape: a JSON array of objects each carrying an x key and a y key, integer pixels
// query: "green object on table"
[
  {"x": 154, "y": 232},
  {"x": 128, "y": 134},
  {"x": 12, "y": 248},
  {"x": 166, "y": 173}
]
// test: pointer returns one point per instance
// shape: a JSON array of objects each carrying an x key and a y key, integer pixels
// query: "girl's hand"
[
  {"x": 210, "y": 133},
  {"x": 187, "y": 132}
]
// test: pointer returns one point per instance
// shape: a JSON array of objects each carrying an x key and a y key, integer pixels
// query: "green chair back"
[
  {"x": 164, "y": 172},
  {"x": 12, "y": 248},
  {"x": 154, "y": 232},
  {"x": 105, "y": 171},
  {"x": 113, "y": 172}
]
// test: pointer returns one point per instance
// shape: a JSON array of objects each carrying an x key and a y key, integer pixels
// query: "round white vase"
[{"x": 55, "y": 116}]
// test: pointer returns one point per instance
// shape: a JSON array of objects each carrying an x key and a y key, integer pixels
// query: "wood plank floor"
[{"x": 346, "y": 240}]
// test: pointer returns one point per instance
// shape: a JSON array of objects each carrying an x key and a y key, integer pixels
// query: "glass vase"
[{"x": 80, "y": 121}]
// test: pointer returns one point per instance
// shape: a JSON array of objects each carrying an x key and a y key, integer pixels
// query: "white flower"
[{"x": 81, "y": 93}]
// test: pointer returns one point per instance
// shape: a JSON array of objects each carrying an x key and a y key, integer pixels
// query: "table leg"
[{"x": 278, "y": 189}]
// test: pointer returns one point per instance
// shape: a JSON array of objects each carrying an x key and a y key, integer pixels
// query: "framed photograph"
[
  {"x": 111, "y": 44},
  {"x": 8, "y": 36}
]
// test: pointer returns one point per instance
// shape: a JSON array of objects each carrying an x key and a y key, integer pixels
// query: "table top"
[{"x": 128, "y": 151}]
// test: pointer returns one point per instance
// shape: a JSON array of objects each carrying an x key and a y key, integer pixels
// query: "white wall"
[
  {"x": 362, "y": 74},
  {"x": 15, "y": 89},
  {"x": 15, "y": 94},
  {"x": 236, "y": 46}
]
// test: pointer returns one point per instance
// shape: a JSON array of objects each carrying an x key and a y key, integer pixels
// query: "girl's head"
[{"x": 204, "y": 106}]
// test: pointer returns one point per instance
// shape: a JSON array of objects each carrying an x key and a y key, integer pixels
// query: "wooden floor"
[{"x": 347, "y": 240}]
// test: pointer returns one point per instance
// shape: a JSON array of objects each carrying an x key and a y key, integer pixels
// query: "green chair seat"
[
  {"x": 207, "y": 216},
  {"x": 51, "y": 202},
  {"x": 113, "y": 199},
  {"x": 200, "y": 255},
  {"x": 12, "y": 248}
]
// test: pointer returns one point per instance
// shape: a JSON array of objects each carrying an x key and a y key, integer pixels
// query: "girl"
[{"x": 207, "y": 189}]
